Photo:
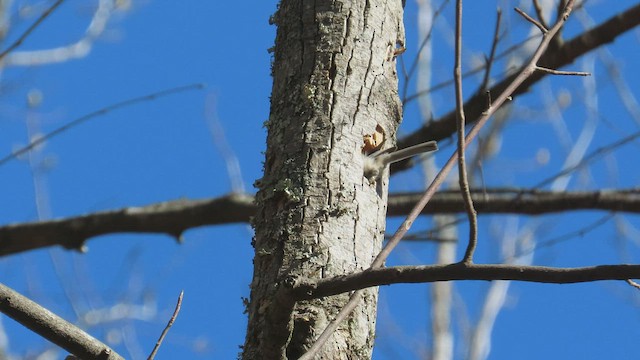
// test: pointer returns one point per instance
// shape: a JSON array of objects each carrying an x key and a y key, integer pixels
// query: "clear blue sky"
[{"x": 164, "y": 150}]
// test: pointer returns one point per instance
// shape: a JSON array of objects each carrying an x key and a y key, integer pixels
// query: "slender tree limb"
[
  {"x": 463, "y": 180},
  {"x": 408, "y": 74},
  {"x": 564, "y": 55},
  {"x": 52, "y": 327},
  {"x": 473, "y": 71},
  {"x": 561, "y": 72},
  {"x": 492, "y": 55},
  {"x": 31, "y": 28},
  {"x": 166, "y": 329},
  {"x": 521, "y": 202},
  {"x": 175, "y": 217},
  {"x": 539, "y": 14},
  {"x": 578, "y": 233},
  {"x": 535, "y": 22},
  {"x": 309, "y": 289},
  {"x": 75, "y": 50},
  {"x": 587, "y": 159},
  {"x": 94, "y": 114},
  {"x": 633, "y": 283},
  {"x": 172, "y": 218}
]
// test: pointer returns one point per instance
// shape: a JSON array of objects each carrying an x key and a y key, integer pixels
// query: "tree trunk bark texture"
[{"x": 334, "y": 81}]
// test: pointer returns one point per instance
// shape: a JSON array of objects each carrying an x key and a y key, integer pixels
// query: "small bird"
[{"x": 375, "y": 163}]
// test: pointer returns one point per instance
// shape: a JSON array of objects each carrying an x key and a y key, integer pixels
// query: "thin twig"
[
  {"x": 468, "y": 73},
  {"x": 561, "y": 72},
  {"x": 565, "y": 237},
  {"x": 412, "y": 68},
  {"x": 166, "y": 329},
  {"x": 492, "y": 54},
  {"x": 539, "y": 14},
  {"x": 532, "y": 20},
  {"x": 75, "y": 50},
  {"x": 433, "y": 234},
  {"x": 33, "y": 26},
  {"x": 96, "y": 113},
  {"x": 592, "y": 156},
  {"x": 463, "y": 180},
  {"x": 318, "y": 288},
  {"x": 633, "y": 283},
  {"x": 425, "y": 41}
]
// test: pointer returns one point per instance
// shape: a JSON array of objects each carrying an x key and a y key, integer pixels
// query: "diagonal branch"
[
  {"x": 52, "y": 327},
  {"x": 75, "y": 50},
  {"x": 154, "y": 352},
  {"x": 31, "y": 28},
  {"x": 105, "y": 110}
]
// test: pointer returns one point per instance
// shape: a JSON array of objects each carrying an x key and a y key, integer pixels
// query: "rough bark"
[{"x": 334, "y": 81}]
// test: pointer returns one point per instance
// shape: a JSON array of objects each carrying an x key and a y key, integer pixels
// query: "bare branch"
[
  {"x": 52, "y": 327},
  {"x": 523, "y": 202},
  {"x": 492, "y": 55},
  {"x": 595, "y": 154},
  {"x": 633, "y": 283},
  {"x": 172, "y": 218},
  {"x": 31, "y": 28},
  {"x": 540, "y": 15},
  {"x": 463, "y": 180},
  {"x": 414, "y": 65},
  {"x": 473, "y": 71},
  {"x": 166, "y": 329},
  {"x": 535, "y": 22},
  {"x": 75, "y": 50},
  {"x": 581, "y": 232},
  {"x": 39, "y": 140},
  {"x": 560, "y": 72},
  {"x": 311, "y": 289},
  {"x": 175, "y": 217}
]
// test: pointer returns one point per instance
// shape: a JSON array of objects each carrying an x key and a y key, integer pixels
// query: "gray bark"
[{"x": 334, "y": 81}]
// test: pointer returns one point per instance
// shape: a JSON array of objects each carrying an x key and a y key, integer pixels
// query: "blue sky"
[{"x": 164, "y": 150}]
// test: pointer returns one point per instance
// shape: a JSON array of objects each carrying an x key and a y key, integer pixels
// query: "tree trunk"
[{"x": 334, "y": 81}]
